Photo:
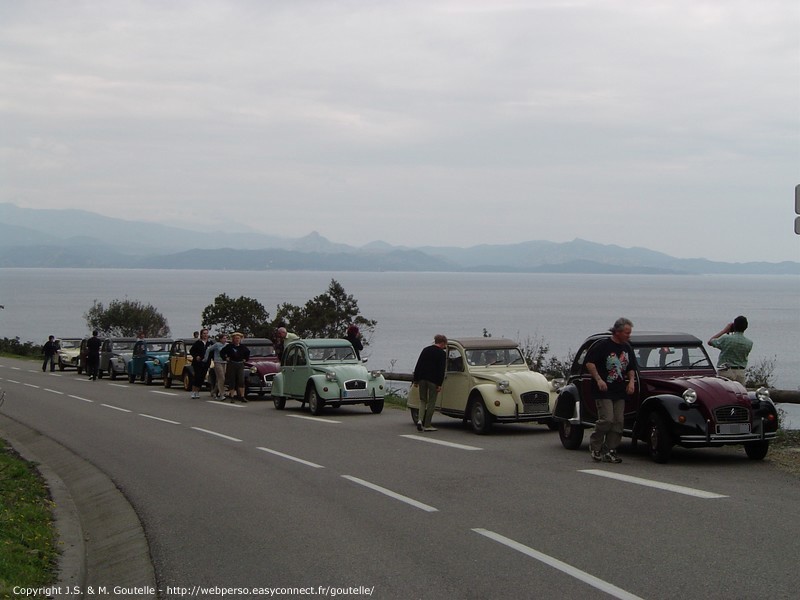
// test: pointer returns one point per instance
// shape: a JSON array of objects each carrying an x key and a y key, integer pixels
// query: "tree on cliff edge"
[{"x": 126, "y": 318}]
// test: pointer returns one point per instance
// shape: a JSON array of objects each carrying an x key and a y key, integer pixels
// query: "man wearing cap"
[{"x": 734, "y": 349}]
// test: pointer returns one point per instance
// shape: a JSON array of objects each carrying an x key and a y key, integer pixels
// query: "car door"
[
  {"x": 295, "y": 372},
  {"x": 457, "y": 383},
  {"x": 137, "y": 358}
]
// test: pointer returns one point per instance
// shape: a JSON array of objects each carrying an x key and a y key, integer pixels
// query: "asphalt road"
[{"x": 250, "y": 497}]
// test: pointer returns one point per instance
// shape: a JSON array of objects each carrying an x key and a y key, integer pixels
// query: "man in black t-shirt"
[{"x": 612, "y": 365}]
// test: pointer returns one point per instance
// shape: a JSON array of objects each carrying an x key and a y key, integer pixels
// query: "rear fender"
[{"x": 567, "y": 405}]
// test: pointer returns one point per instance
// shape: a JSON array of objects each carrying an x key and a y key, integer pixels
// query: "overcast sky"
[{"x": 672, "y": 125}]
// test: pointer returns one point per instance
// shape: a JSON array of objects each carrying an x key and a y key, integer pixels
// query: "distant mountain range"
[{"x": 76, "y": 238}]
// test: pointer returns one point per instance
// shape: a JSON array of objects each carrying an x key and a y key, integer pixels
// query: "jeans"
[
  {"x": 607, "y": 434},
  {"x": 49, "y": 359},
  {"x": 427, "y": 401}
]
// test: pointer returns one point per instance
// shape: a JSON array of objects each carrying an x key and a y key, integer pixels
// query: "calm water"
[{"x": 411, "y": 307}]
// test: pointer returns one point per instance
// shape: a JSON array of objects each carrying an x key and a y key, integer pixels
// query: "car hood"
[
  {"x": 345, "y": 372},
  {"x": 162, "y": 356},
  {"x": 264, "y": 364},
  {"x": 711, "y": 391},
  {"x": 520, "y": 380}
]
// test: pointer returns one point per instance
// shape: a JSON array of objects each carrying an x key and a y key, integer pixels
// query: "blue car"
[{"x": 149, "y": 359}]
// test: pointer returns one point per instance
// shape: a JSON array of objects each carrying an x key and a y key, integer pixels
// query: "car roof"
[
  {"x": 159, "y": 340},
  {"x": 657, "y": 338},
  {"x": 323, "y": 342},
  {"x": 258, "y": 341},
  {"x": 121, "y": 339},
  {"x": 484, "y": 342}
]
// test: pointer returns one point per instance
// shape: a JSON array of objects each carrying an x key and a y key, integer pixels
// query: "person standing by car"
[
  {"x": 734, "y": 349},
  {"x": 93, "y": 345},
  {"x": 235, "y": 354},
  {"x": 354, "y": 338},
  {"x": 50, "y": 350},
  {"x": 199, "y": 362},
  {"x": 213, "y": 351},
  {"x": 283, "y": 338},
  {"x": 612, "y": 365},
  {"x": 429, "y": 376}
]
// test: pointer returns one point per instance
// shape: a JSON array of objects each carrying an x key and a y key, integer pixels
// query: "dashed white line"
[
  {"x": 208, "y": 431},
  {"x": 31, "y": 385},
  {"x": 119, "y": 385},
  {"x": 159, "y": 419},
  {"x": 53, "y": 391},
  {"x": 12, "y": 381},
  {"x": 294, "y": 458},
  {"x": 116, "y": 408},
  {"x": 79, "y": 398},
  {"x": 225, "y": 403},
  {"x": 163, "y": 393},
  {"x": 430, "y": 440},
  {"x": 593, "y": 581},
  {"x": 678, "y": 489},
  {"x": 391, "y": 494},
  {"x": 317, "y": 419}
]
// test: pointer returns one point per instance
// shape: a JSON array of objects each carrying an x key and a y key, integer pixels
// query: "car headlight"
[
  {"x": 690, "y": 396},
  {"x": 762, "y": 394},
  {"x": 156, "y": 362},
  {"x": 558, "y": 383},
  {"x": 330, "y": 376},
  {"x": 504, "y": 386},
  {"x": 253, "y": 371},
  {"x": 376, "y": 373}
]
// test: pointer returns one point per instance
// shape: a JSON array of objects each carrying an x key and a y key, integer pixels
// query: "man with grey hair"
[{"x": 612, "y": 365}]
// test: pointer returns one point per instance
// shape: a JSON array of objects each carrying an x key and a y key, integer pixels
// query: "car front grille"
[
  {"x": 732, "y": 414},
  {"x": 355, "y": 384},
  {"x": 536, "y": 402}
]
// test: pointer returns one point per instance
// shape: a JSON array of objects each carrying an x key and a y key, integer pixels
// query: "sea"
[{"x": 559, "y": 310}]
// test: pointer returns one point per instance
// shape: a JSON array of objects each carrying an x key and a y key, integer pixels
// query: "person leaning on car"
[
  {"x": 235, "y": 354},
  {"x": 734, "y": 349},
  {"x": 429, "y": 376},
  {"x": 612, "y": 365}
]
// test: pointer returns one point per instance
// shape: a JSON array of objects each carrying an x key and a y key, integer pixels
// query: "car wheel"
[
  {"x": 131, "y": 378},
  {"x": 280, "y": 403},
  {"x": 414, "y": 415},
  {"x": 659, "y": 439},
  {"x": 756, "y": 450},
  {"x": 147, "y": 377},
  {"x": 167, "y": 379},
  {"x": 571, "y": 435},
  {"x": 60, "y": 366},
  {"x": 376, "y": 406},
  {"x": 314, "y": 403},
  {"x": 187, "y": 382},
  {"x": 480, "y": 418}
]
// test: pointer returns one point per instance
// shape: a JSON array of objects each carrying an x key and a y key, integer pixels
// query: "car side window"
[
  {"x": 138, "y": 349},
  {"x": 455, "y": 362},
  {"x": 301, "y": 357}
]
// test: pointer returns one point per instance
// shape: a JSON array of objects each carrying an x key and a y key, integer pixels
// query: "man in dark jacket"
[
  {"x": 93, "y": 355},
  {"x": 50, "y": 349},
  {"x": 199, "y": 365},
  {"x": 429, "y": 376}
]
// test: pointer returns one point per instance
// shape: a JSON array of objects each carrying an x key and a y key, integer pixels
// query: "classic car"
[
  {"x": 114, "y": 356},
  {"x": 148, "y": 359},
  {"x": 321, "y": 372},
  {"x": 69, "y": 350},
  {"x": 179, "y": 364},
  {"x": 488, "y": 381},
  {"x": 679, "y": 400},
  {"x": 262, "y": 366}
]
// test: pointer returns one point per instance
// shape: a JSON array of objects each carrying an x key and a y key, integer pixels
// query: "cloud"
[{"x": 667, "y": 125}]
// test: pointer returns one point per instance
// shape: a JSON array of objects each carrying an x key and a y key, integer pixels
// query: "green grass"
[{"x": 28, "y": 550}]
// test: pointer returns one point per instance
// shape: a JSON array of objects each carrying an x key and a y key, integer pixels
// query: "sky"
[{"x": 671, "y": 125}]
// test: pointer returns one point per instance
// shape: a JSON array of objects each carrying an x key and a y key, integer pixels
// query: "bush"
[
  {"x": 761, "y": 374},
  {"x": 14, "y": 346}
]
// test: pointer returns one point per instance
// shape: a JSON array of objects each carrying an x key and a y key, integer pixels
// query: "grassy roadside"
[{"x": 28, "y": 550}]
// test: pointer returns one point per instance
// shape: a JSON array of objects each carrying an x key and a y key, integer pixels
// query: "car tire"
[
  {"x": 147, "y": 377},
  {"x": 756, "y": 450},
  {"x": 414, "y": 415},
  {"x": 480, "y": 417},
  {"x": 60, "y": 366},
  {"x": 187, "y": 382},
  {"x": 571, "y": 435},
  {"x": 167, "y": 379},
  {"x": 376, "y": 406},
  {"x": 279, "y": 402},
  {"x": 659, "y": 439},
  {"x": 315, "y": 405}
]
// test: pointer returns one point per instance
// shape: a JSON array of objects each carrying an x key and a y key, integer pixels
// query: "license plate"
[{"x": 733, "y": 428}]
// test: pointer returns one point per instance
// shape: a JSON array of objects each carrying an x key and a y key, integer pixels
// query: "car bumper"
[{"x": 721, "y": 440}]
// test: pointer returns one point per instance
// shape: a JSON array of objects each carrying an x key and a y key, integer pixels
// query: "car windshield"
[
  {"x": 495, "y": 356},
  {"x": 672, "y": 357},
  {"x": 70, "y": 343},
  {"x": 157, "y": 347},
  {"x": 332, "y": 353},
  {"x": 261, "y": 350},
  {"x": 122, "y": 346}
]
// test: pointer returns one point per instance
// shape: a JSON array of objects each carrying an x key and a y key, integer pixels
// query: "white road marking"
[
  {"x": 53, "y": 391},
  {"x": 116, "y": 408},
  {"x": 12, "y": 381},
  {"x": 225, "y": 403},
  {"x": 158, "y": 419},
  {"x": 430, "y": 440},
  {"x": 31, "y": 385},
  {"x": 317, "y": 419},
  {"x": 593, "y": 581},
  {"x": 227, "y": 437},
  {"x": 391, "y": 494},
  {"x": 16, "y": 369},
  {"x": 119, "y": 385},
  {"x": 678, "y": 489},
  {"x": 294, "y": 458},
  {"x": 163, "y": 393},
  {"x": 79, "y": 398}
]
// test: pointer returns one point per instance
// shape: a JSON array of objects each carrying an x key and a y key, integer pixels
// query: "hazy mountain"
[{"x": 77, "y": 238}]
